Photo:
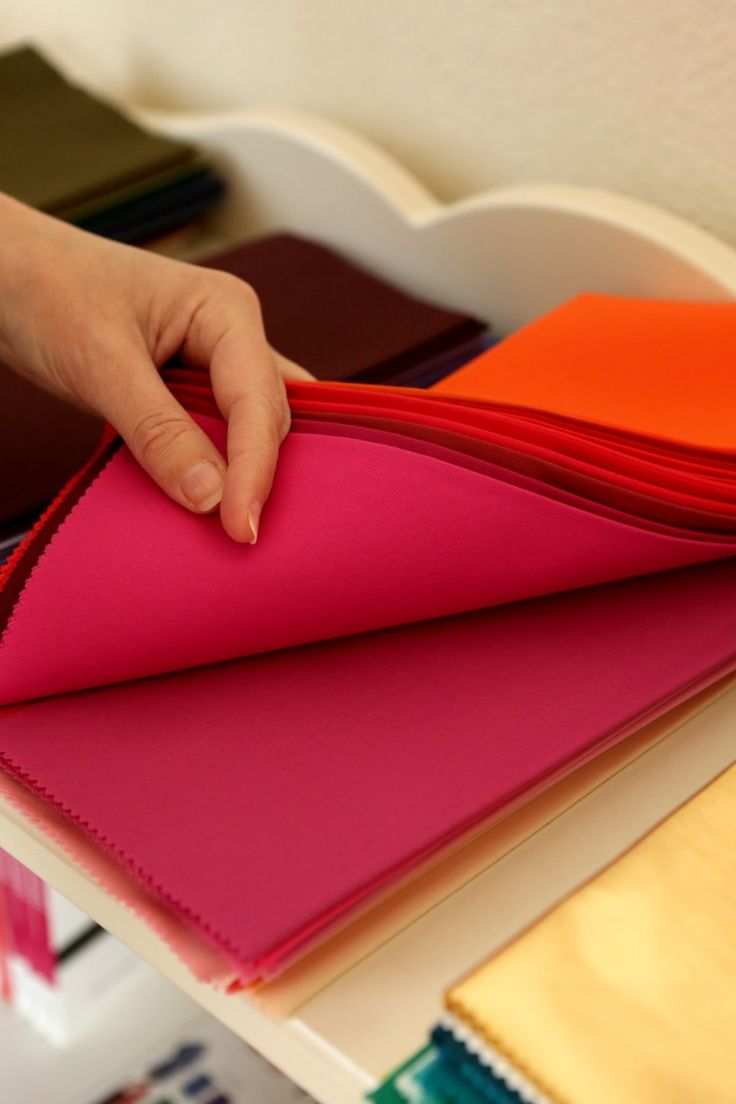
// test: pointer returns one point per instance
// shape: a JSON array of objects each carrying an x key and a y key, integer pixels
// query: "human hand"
[{"x": 92, "y": 321}]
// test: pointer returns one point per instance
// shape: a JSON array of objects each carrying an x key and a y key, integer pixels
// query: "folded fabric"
[
  {"x": 478, "y": 504},
  {"x": 159, "y": 210},
  {"x": 464, "y": 1068},
  {"x": 118, "y": 199},
  {"x": 63, "y": 146},
  {"x": 626, "y": 991},
  {"x": 428, "y": 1078},
  {"x": 460, "y": 537},
  {"x": 76, "y": 846},
  {"x": 429, "y": 886},
  {"x": 75, "y": 156},
  {"x": 389, "y": 507},
  {"x": 650, "y": 367},
  {"x": 244, "y": 795},
  {"x": 339, "y": 321}
]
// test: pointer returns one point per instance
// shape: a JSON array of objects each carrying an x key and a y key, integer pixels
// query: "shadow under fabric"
[{"x": 310, "y": 778}]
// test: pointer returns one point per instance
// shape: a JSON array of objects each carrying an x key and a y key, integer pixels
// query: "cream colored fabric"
[{"x": 626, "y": 993}]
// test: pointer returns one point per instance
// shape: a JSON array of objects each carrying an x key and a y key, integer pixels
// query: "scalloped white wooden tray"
[{"x": 507, "y": 256}]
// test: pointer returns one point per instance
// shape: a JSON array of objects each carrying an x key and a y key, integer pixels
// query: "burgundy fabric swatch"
[
  {"x": 336, "y": 319},
  {"x": 43, "y": 441}
]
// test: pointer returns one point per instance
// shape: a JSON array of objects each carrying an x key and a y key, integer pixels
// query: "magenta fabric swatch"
[
  {"x": 200, "y": 957},
  {"x": 265, "y": 798},
  {"x": 358, "y": 535}
]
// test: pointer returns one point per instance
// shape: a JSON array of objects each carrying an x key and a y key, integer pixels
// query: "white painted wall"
[{"x": 634, "y": 95}]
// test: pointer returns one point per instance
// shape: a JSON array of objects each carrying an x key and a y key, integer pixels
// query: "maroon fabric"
[
  {"x": 43, "y": 441},
  {"x": 336, "y": 319}
]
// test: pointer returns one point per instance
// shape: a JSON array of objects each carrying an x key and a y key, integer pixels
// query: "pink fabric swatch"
[
  {"x": 264, "y": 799},
  {"x": 204, "y": 961},
  {"x": 358, "y": 535}
]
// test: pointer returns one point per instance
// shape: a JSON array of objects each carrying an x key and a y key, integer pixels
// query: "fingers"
[
  {"x": 252, "y": 397},
  {"x": 148, "y": 309},
  {"x": 257, "y": 424},
  {"x": 227, "y": 336},
  {"x": 163, "y": 438},
  {"x": 290, "y": 370}
]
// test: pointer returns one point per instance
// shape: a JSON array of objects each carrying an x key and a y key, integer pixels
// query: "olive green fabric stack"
[{"x": 75, "y": 156}]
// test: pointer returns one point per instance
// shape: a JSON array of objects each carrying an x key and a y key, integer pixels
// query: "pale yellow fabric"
[{"x": 626, "y": 993}]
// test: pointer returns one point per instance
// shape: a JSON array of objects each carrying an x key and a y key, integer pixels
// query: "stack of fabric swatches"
[
  {"x": 73, "y": 155},
  {"x": 544, "y": 540},
  {"x": 624, "y": 992}
]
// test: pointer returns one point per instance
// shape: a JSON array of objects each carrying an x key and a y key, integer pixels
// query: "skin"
[{"x": 92, "y": 321}]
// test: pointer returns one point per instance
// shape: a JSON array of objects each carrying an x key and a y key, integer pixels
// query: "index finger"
[
  {"x": 258, "y": 420},
  {"x": 252, "y": 398}
]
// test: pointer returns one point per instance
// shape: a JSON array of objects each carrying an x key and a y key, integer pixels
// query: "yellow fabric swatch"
[{"x": 626, "y": 993}]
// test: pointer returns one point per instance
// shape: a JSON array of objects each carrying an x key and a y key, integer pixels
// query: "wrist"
[{"x": 23, "y": 231}]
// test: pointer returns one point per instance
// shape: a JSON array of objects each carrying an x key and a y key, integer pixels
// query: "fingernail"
[
  {"x": 202, "y": 486},
  {"x": 254, "y": 515}
]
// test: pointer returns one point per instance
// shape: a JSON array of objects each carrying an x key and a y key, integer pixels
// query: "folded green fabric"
[
  {"x": 435, "y": 1076},
  {"x": 158, "y": 210},
  {"x": 119, "y": 199},
  {"x": 62, "y": 147}
]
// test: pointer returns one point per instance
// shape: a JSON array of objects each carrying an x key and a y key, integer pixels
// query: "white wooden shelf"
[{"x": 506, "y": 256}]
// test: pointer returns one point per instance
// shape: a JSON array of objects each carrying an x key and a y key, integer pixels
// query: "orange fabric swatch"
[{"x": 646, "y": 366}]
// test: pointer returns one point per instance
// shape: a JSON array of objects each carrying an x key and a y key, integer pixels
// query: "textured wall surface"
[{"x": 634, "y": 96}]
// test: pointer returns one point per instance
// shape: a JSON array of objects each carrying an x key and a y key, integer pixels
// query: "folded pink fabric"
[
  {"x": 264, "y": 799},
  {"x": 358, "y": 535},
  {"x": 199, "y": 956}
]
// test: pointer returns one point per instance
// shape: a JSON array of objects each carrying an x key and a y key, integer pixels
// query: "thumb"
[{"x": 165, "y": 440}]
